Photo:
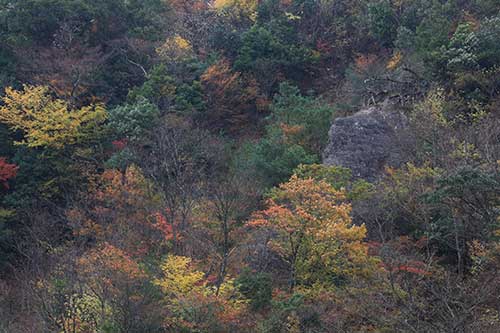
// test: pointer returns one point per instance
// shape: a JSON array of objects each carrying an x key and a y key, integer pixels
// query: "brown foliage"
[{"x": 233, "y": 101}]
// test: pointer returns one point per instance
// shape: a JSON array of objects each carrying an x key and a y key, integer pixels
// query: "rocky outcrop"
[{"x": 367, "y": 141}]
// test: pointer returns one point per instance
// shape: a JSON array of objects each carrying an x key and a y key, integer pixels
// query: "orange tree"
[
  {"x": 314, "y": 233},
  {"x": 122, "y": 209}
]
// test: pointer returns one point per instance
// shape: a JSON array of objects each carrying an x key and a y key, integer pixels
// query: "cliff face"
[{"x": 367, "y": 141}]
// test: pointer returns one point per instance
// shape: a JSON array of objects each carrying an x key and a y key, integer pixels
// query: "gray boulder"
[{"x": 368, "y": 141}]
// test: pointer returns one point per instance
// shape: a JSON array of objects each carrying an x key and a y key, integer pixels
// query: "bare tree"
[{"x": 179, "y": 159}]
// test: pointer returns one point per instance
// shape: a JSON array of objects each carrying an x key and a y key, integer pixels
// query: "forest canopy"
[{"x": 163, "y": 166}]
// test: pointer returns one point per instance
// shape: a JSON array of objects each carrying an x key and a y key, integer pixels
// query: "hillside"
[{"x": 271, "y": 166}]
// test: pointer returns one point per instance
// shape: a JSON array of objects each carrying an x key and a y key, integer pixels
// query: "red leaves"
[
  {"x": 404, "y": 251},
  {"x": 411, "y": 266},
  {"x": 415, "y": 267},
  {"x": 164, "y": 226},
  {"x": 119, "y": 144},
  {"x": 7, "y": 171},
  {"x": 374, "y": 248}
]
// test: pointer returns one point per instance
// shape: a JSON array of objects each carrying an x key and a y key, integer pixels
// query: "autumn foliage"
[
  {"x": 316, "y": 234},
  {"x": 233, "y": 101},
  {"x": 163, "y": 166},
  {"x": 46, "y": 121},
  {"x": 7, "y": 171}
]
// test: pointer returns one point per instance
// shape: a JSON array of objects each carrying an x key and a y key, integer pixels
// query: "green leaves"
[
  {"x": 132, "y": 121},
  {"x": 383, "y": 21},
  {"x": 262, "y": 46},
  {"x": 159, "y": 88},
  {"x": 311, "y": 117},
  {"x": 257, "y": 287},
  {"x": 297, "y": 133},
  {"x": 272, "y": 159}
]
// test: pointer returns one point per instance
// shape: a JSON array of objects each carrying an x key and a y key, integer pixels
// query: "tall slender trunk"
[
  {"x": 225, "y": 253},
  {"x": 458, "y": 248}
]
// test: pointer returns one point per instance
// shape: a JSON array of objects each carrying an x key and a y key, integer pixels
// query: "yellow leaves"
[
  {"x": 293, "y": 323},
  {"x": 394, "y": 61},
  {"x": 292, "y": 132},
  {"x": 181, "y": 43},
  {"x": 128, "y": 186},
  {"x": 432, "y": 108},
  {"x": 341, "y": 231},
  {"x": 175, "y": 48},
  {"x": 314, "y": 196},
  {"x": 239, "y": 8},
  {"x": 221, "y": 77},
  {"x": 179, "y": 276},
  {"x": 483, "y": 254},
  {"x": 465, "y": 151},
  {"x": 409, "y": 181},
  {"x": 186, "y": 288},
  {"x": 292, "y": 17},
  {"x": 315, "y": 231},
  {"x": 85, "y": 307},
  {"x": 46, "y": 121},
  {"x": 478, "y": 253}
]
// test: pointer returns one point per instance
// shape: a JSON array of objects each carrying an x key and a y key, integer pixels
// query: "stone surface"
[{"x": 367, "y": 141}]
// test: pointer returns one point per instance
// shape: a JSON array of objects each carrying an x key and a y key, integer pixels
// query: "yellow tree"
[
  {"x": 175, "y": 48},
  {"x": 314, "y": 232},
  {"x": 193, "y": 302},
  {"x": 180, "y": 277},
  {"x": 46, "y": 121},
  {"x": 238, "y": 8}
]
